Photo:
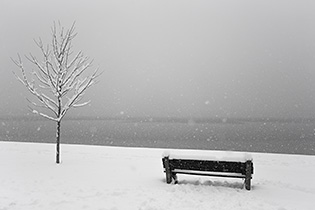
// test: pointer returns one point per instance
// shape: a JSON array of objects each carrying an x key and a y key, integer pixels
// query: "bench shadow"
[{"x": 227, "y": 184}]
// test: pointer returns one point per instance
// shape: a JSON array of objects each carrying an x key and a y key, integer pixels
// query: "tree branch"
[{"x": 59, "y": 71}]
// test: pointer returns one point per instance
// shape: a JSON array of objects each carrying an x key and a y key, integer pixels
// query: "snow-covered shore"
[{"x": 98, "y": 177}]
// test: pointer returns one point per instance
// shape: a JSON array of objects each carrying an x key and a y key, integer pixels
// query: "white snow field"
[{"x": 111, "y": 178}]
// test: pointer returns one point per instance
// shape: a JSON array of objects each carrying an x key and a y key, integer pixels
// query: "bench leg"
[
  {"x": 247, "y": 183},
  {"x": 168, "y": 177},
  {"x": 168, "y": 171},
  {"x": 174, "y": 177},
  {"x": 248, "y": 175}
]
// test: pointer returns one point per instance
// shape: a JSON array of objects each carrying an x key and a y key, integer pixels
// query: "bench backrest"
[{"x": 207, "y": 165}]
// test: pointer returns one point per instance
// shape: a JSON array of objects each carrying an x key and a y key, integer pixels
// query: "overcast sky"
[{"x": 179, "y": 58}]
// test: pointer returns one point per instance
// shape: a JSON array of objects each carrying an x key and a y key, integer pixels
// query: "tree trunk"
[{"x": 58, "y": 143}]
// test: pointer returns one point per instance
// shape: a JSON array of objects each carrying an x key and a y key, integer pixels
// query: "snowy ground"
[{"x": 96, "y": 177}]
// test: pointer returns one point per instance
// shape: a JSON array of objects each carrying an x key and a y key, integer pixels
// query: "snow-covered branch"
[
  {"x": 81, "y": 87},
  {"x": 82, "y": 104},
  {"x": 59, "y": 74},
  {"x": 44, "y": 115},
  {"x": 31, "y": 86}
]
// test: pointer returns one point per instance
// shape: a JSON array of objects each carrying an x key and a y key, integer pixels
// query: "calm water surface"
[{"x": 254, "y": 135}]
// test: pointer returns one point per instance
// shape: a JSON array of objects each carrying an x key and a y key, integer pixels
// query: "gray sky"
[{"x": 201, "y": 58}]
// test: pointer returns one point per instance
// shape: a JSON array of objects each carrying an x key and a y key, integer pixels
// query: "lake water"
[{"x": 254, "y": 135}]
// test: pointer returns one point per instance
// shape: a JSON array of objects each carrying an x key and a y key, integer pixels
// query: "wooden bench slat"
[
  {"x": 208, "y": 174},
  {"x": 204, "y": 165}
]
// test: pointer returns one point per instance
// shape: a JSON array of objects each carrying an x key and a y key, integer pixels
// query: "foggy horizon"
[{"x": 189, "y": 59}]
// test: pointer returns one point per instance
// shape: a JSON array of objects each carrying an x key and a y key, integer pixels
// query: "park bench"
[{"x": 230, "y": 167}]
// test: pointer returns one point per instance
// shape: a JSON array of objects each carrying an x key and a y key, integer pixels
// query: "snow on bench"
[
  {"x": 222, "y": 156},
  {"x": 232, "y": 165}
]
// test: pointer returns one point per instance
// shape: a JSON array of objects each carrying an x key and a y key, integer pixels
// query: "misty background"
[{"x": 178, "y": 58}]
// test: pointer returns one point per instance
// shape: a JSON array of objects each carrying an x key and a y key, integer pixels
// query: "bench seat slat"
[{"x": 208, "y": 174}]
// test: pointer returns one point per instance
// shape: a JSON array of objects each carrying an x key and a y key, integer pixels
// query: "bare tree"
[{"x": 57, "y": 81}]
